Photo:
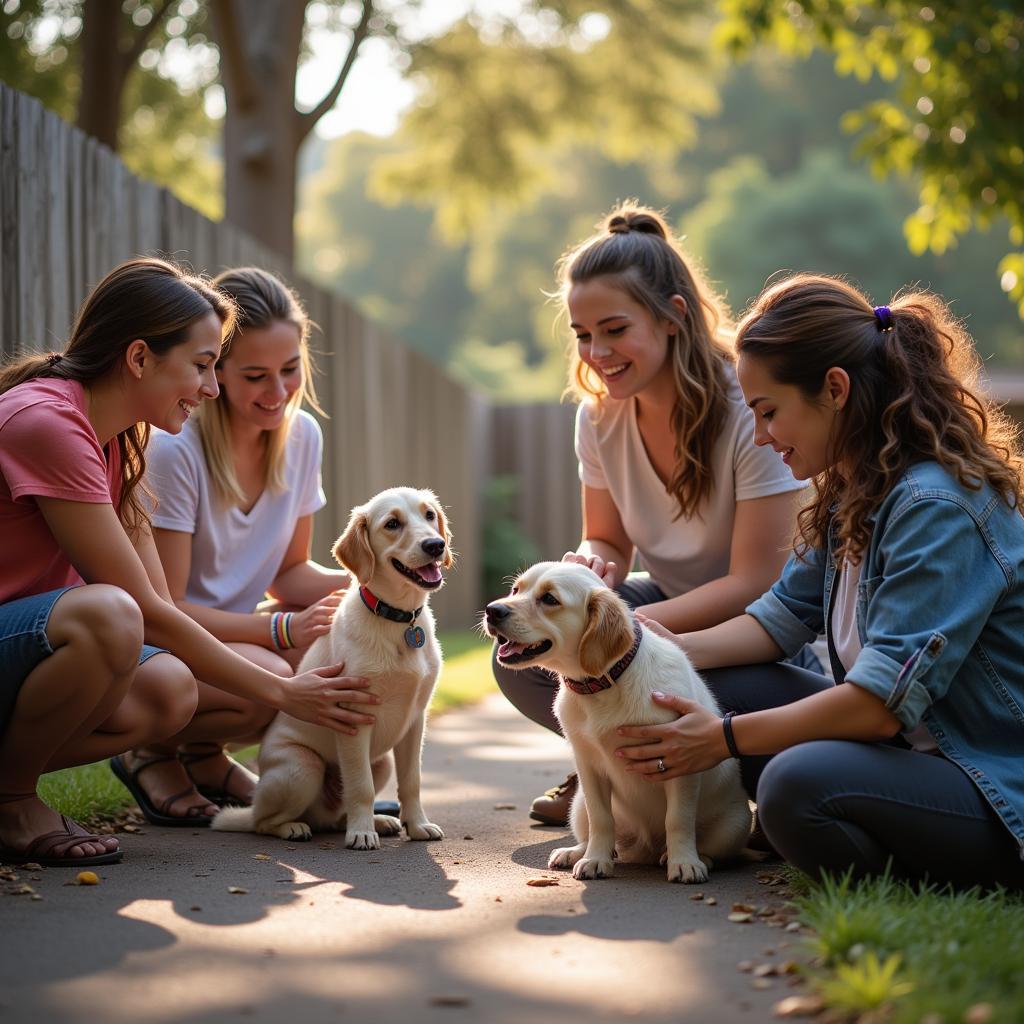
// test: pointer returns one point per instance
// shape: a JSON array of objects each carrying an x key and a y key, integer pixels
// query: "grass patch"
[
  {"x": 914, "y": 953},
  {"x": 83, "y": 793},
  {"x": 91, "y": 790},
  {"x": 466, "y": 676}
]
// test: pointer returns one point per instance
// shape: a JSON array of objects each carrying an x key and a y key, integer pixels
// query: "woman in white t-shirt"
[
  {"x": 236, "y": 492},
  {"x": 669, "y": 470}
]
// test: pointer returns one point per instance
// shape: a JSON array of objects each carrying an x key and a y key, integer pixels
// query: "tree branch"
[
  {"x": 362, "y": 30},
  {"x": 142, "y": 37},
  {"x": 234, "y": 57}
]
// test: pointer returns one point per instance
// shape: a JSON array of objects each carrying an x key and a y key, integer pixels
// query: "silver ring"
[{"x": 661, "y": 765}]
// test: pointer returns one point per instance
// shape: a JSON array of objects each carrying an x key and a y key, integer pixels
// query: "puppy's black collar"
[
  {"x": 387, "y": 611},
  {"x": 595, "y": 684}
]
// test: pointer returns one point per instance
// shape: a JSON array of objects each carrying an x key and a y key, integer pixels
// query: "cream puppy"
[
  {"x": 562, "y": 617},
  {"x": 395, "y": 546}
]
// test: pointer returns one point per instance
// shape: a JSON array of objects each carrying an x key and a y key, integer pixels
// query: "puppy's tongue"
[
  {"x": 510, "y": 647},
  {"x": 429, "y": 573}
]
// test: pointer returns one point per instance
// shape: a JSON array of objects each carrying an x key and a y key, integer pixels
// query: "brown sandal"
[
  {"x": 222, "y": 796},
  {"x": 158, "y": 814},
  {"x": 51, "y": 848}
]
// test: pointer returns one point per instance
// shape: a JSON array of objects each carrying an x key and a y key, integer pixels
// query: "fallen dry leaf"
[
  {"x": 793, "y": 926},
  {"x": 799, "y": 1006},
  {"x": 261, "y": 856},
  {"x": 746, "y": 966},
  {"x": 467, "y": 837},
  {"x": 504, "y": 807},
  {"x": 450, "y": 1001},
  {"x": 697, "y": 896},
  {"x": 31, "y": 866},
  {"x": 711, "y": 901},
  {"x": 764, "y": 970},
  {"x": 743, "y": 908},
  {"x": 540, "y": 882},
  {"x": 87, "y": 878},
  {"x": 761, "y": 983},
  {"x": 740, "y": 918},
  {"x": 237, "y": 890}
]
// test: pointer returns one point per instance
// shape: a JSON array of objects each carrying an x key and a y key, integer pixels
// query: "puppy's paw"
[
  {"x": 565, "y": 857},
  {"x": 422, "y": 830},
  {"x": 293, "y": 831},
  {"x": 386, "y": 825},
  {"x": 593, "y": 867},
  {"x": 687, "y": 871},
  {"x": 362, "y": 841}
]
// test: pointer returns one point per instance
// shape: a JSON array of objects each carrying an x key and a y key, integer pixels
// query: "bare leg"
[
  {"x": 96, "y": 635},
  {"x": 219, "y": 718}
]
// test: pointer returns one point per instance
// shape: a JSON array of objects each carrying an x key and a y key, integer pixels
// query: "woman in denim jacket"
[{"x": 911, "y": 562}]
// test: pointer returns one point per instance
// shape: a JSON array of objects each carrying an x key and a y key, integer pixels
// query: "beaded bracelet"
[
  {"x": 730, "y": 740},
  {"x": 281, "y": 630}
]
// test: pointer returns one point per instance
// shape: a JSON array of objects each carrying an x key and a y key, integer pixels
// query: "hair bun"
[{"x": 639, "y": 219}]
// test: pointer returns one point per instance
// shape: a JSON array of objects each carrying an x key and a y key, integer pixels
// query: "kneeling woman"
[
  {"x": 85, "y": 616},
  {"x": 912, "y": 564}
]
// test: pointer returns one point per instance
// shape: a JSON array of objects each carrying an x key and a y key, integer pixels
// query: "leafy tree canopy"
[{"x": 954, "y": 122}]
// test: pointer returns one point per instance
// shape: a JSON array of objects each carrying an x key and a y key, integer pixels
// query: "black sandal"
[
  {"x": 221, "y": 796},
  {"x": 157, "y": 815}
]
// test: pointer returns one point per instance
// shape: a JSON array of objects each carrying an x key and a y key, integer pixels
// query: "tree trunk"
[
  {"x": 103, "y": 71},
  {"x": 259, "y": 43}
]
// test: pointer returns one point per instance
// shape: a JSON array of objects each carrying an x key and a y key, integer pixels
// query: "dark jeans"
[{"x": 834, "y": 805}]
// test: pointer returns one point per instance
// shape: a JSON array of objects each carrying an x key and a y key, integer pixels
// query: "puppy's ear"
[
  {"x": 442, "y": 522},
  {"x": 353, "y": 549},
  {"x": 608, "y": 633}
]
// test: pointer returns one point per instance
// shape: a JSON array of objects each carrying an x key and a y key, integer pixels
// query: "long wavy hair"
[
  {"x": 637, "y": 252},
  {"x": 144, "y": 298},
  {"x": 261, "y": 299},
  {"x": 913, "y": 397}
]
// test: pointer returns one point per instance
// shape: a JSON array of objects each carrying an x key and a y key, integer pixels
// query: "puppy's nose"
[
  {"x": 497, "y": 612},
  {"x": 433, "y": 547}
]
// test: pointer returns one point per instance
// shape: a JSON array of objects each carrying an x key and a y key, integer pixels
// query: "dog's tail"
[{"x": 233, "y": 819}]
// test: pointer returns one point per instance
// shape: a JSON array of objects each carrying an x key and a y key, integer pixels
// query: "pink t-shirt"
[{"x": 48, "y": 449}]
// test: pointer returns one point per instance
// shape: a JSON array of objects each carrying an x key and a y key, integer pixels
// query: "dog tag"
[{"x": 415, "y": 637}]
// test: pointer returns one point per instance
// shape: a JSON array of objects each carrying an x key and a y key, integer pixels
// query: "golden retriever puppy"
[
  {"x": 562, "y": 617},
  {"x": 395, "y": 546}
]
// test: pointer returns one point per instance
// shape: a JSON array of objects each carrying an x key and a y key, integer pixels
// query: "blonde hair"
[
  {"x": 913, "y": 397},
  {"x": 144, "y": 298},
  {"x": 636, "y": 250},
  {"x": 262, "y": 300}
]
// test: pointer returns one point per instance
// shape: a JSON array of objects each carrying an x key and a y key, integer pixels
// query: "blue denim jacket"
[{"x": 940, "y": 613}]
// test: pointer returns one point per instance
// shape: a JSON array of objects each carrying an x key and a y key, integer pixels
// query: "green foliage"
[
  {"x": 466, "y": 675},
  {"x": 916, "y": 951},
  {"x": 166, "y": 135},
  {"x": 506, "y": 547},
  {"x": 829, "y": 216},
  {"x": 498, "y": 94},
  {"x": 954, "y": 123}
]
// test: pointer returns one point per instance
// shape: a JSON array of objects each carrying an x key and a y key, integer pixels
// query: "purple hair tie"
[{"x": 884, "y": 318}]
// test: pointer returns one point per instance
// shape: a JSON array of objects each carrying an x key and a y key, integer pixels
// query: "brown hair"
[
  {"x": 144, "y": 298},
  {"x": 913, "y": 397},
  {"x": 262, "y": 299},
  {"x": 637, "y": 251}
]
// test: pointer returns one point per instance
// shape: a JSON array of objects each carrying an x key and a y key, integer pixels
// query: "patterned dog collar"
[{"x": 595, "y": 684}]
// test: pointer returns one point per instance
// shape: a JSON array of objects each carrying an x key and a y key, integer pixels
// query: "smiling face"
[
  {"x": 560, "y": 616},
  {"x": 798, "y": 428},
  {"x": 397, "y": 544},
  {"x": 618, "y": 338},
  {"x": 261, "y": 373},
  {"x": 173, "y": 384}
]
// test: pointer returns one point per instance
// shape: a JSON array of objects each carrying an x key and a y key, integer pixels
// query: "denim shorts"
[{"x": 24, "y": 644}]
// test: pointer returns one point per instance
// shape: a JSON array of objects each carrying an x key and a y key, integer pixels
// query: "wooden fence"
[{"x": 70, "y": 211}]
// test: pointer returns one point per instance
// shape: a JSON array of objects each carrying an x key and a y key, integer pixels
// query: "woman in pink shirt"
[{"x": 86, "y": 621}]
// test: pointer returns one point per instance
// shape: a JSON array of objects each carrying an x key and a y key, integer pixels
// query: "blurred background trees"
[{"x": 777, "y": 136}]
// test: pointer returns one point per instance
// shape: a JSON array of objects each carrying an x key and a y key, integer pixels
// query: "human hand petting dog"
[
  {"x": 694, "y": 742},
  {"x": 319, "y": 696},
  {"x": 315, "y": 620},
  {"x": 605, "y": 571}
]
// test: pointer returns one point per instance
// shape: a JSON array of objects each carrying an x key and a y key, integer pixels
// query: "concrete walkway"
[{"x": 431, "y": 932}]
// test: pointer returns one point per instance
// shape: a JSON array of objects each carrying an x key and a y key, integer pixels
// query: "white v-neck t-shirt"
[
  {"x": 685, "y": 553},
  {"x": 236, "y": 555}
]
